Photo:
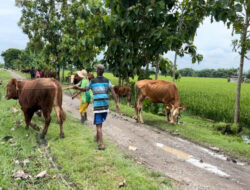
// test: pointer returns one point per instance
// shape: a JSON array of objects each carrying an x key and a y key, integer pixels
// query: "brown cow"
[
  {"x": 77, "y": 78},
  {"x": 48, "y": 74},
  {"x": 39, "y": 94},
  {"x": 123, "y": 91},
  {"x": 25, "y": 70},
  {"x": 158, "y": 91}
]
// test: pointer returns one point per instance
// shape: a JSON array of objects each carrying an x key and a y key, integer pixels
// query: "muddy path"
[{"x": 190, "y": 165}]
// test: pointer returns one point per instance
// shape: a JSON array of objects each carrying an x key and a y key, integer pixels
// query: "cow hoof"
[
  {"x": 35, "y": 127},
  {"x": 62, "y": 136}
]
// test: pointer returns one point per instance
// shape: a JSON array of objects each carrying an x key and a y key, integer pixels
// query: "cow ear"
[
  {"x": 14, "y": 81},
  {"x": 183, "y": 107}
]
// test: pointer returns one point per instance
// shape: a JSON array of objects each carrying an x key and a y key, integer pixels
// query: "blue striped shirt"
[{"x": 100, "y": 87}]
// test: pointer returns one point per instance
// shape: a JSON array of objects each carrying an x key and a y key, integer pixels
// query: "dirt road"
[{"x": 192, "y": 166}]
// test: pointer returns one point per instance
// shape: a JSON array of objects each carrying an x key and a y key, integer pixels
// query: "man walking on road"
[{"x": 100, "y": 87}]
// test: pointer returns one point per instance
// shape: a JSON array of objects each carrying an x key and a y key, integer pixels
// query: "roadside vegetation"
[{"x": 72, "y": 162}]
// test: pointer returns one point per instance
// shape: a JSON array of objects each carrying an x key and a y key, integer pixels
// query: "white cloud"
[
  {"x": 8, "y": 12},
  {"x": 214, "y": 42}
]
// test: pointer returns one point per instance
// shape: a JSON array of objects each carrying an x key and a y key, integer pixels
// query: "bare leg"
[
  {"x": 99, "y": 136},
  {"x": 85, "y": 115}
]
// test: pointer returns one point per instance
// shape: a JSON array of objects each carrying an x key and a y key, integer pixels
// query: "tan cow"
[{"x": 158, "y": 91}]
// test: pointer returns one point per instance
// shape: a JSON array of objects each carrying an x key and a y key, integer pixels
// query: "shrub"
[
  {"x": 226, "y": 128},
  {"x": 234, "y": 128}
]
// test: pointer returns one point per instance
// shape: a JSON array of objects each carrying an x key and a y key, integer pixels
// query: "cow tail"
[{"x": 135, "y": 103}]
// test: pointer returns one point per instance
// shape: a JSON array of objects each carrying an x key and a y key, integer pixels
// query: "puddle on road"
[
  {"x": 209, "y": 167},
  {"x": 192, "y": 160}
]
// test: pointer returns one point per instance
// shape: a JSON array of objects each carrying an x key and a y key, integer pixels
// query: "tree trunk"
[
  {"x": 174, "y": 66},
  {"x": 127, "y": 79},
  {"x": 63, "y": 74},
  {"x": 147, "y": 67},
  {"x": 157, "y": 70},
  {"x": 119, "y": 81},
  {"x": 58, "y": 73},
  {"x": 242, "y": 57},
  {"x": 71, "y": 69}
]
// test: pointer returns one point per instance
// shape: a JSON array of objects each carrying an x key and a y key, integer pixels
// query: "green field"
[
  {"x": 78, "y": 164},
  {"x": 210, "y": 98}
]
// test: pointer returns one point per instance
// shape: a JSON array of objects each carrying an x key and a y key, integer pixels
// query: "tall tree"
[
  {"x": 40, "y": 20},
  {"x": 82, "y": 36},
  {"x": 191, "y": 14},
  {"x": 138, "y": 32},
  {"x": 235, "y": 13},
  {"x": 12, "y": 58}
]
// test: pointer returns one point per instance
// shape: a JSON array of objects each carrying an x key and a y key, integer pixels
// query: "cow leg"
[
  {"x": 140, "y": 103},
  {"x": 59, "y": 111},
  {"x": 167, "y": 111},
  {"x": 47, "y": 119},
  {"x": 28, "y": 117},
  {"x": 129, "y": 100}
]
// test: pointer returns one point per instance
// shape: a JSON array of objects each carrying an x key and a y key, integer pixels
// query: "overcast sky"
[{"x": 213, "y": 41}]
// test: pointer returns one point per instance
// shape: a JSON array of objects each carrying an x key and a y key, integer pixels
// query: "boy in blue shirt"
[{"x": 100, "y": 87}]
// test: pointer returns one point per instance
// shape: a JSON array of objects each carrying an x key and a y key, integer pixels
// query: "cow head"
[
  {"x": 12, "y": 90},
  {"x": 175, "y": 112}
]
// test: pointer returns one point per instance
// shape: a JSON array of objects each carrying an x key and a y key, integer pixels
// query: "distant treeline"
[{"x": 213, "y": 73}]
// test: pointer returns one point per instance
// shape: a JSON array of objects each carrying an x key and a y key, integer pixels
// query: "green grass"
[
  {"x": 79, "y": 163},
  {"x": 212, "y": 98},
  {"x": 195, "y": 129}
]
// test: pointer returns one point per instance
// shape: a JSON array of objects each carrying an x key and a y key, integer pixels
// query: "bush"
[
  {"x": 221, "y": 126},
  {"x": 247, "y": 81},
  {"x": 234, "y": 128},
  {"x": 226, "y": 128}
]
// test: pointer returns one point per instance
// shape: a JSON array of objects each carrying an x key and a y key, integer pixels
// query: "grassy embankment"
[
  {"x": 193, "y": 127},
  {"x": 76, "y": 157}
]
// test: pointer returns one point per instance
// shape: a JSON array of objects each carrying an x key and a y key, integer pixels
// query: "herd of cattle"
[
  {"x": 43, "y": 74},
  {"x": 46, "y": 93}
]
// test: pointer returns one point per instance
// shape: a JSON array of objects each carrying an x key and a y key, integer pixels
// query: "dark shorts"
[{"x": 100, "y": 118}]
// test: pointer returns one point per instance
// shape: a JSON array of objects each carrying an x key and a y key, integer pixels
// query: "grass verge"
[{"x": 79, "y": 164}]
